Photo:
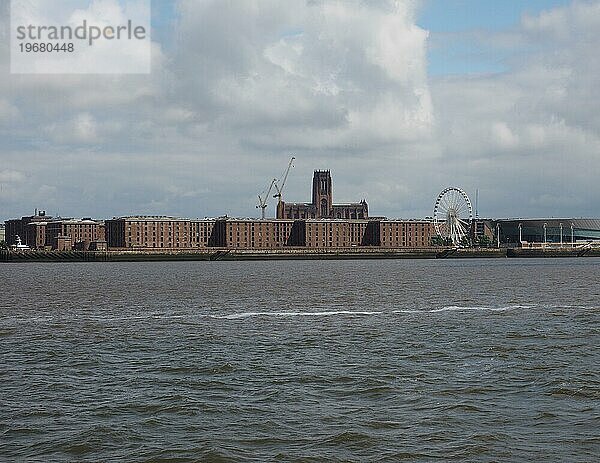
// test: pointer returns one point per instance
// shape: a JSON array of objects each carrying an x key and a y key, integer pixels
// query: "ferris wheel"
[{"x": 452, "y": 215}]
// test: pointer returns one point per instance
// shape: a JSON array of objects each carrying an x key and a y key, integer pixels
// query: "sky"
[{"x": 399, "y": 99}]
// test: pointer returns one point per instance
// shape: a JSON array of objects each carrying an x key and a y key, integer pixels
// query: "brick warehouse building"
[
  {"x": 169, "y": 233},
  {"x": 254, "y": 234},
  {"x": 158, "y": 232},
  {"x": 154, "y": 233},
  {"x": 316, "y": 225},
  {"x": 41, "y": 231},
  {"x": 31, "y": 229},
  {"x": 406, "y": 233},
  {"x": 79, "y": 234},
  {"x": 322, "y": 206}
]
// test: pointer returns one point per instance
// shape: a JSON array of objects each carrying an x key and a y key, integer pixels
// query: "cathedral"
[{"x": 322, "y": 206}]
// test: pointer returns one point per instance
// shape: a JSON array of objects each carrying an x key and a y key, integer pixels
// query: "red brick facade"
[
  {"x": 335, "y": 233},
  {"x": 406, "y": 234},
  {"x": 258, "y": 234},
  {"x": 31, "y": 229},
  {"x": 73, "y": 233},
  {"x": 158, "y": 233},
  {"x": 155, "y": 233}
]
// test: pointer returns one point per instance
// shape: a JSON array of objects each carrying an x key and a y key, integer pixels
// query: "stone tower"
[{"x": 322, "y": 197}]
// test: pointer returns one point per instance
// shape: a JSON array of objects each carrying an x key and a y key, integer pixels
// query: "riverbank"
[{"x": 291, "y": 254}]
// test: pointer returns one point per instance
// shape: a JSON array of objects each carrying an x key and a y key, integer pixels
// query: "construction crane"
[
  {"x": 262, "y": 200},
  {"x": 285, "y": 176}
]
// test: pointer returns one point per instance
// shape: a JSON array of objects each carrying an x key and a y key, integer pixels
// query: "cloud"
[
  {"x": 103, "y": 57},
  {"x": 8, "y": 112},
  {"x": 11, "y": 176},
  {"x": 340, "y": 84},
  {"x": 335, "y": 82},
  {"x": 530, "y": 133}
]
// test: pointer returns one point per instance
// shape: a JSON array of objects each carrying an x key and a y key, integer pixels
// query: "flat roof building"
[
  {"x": 158, "y": 232},
  {"x": 549, "y": 230},
  {"x": 79, "y": 234},
  {"x": 148, "y": 233},
  {"x": 30, "y": 229}
]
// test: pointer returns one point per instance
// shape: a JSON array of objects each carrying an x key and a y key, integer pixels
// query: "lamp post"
[
  {"x": 545, "y": 235},
  {"x": 520, "y": 233},
  {"x": 561, "y": 234},
  {"x": 572, "y": 235},
  {"x": 498, "y": 234}
]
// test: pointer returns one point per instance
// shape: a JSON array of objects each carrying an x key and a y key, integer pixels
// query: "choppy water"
[{"x": 480, "y": 360}]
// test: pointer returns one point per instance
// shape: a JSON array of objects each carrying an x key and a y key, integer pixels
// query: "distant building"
[
  {"x": 75, "y": 234},
  {"x": 177, "y": 234},
  {"x": 406, "y": 233},
  {"x": 2, "y": 234},
  {"x": 482, "y": 230},
  {"x": 158, "y": 232},
  {"x": 31, "y": 229},
  {"x": 549, "y": 230},
  {"x": 254, "y": 234},
  {"x": 320, "y": 224},
  {"x": 322, "y": 206}
]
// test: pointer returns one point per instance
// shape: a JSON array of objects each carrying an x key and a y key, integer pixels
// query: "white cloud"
[
  {"x": 326, "y": 80},
  {"x": 503, "y": 136},
  {"x": 104, "y": 56},
  {"x": 531, "y": 132},
  {"x": 11, "y": 176},
  {"x": 8, "y": 112},
  {"x": 340, "y": 84}
]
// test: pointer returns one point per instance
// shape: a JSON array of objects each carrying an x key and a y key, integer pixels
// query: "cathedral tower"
[{"x": 322, "y": 198}]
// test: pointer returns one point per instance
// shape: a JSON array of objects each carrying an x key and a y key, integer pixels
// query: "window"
[{"x": 324, "y": 211}]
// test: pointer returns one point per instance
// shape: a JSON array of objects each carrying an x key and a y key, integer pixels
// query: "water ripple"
[{"x": 300, "y": 361}]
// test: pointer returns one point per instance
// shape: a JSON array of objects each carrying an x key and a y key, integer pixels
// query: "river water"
[{"x": 301, "y": 361}]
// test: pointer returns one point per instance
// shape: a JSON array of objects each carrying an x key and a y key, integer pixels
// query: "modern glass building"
[{"x": 548, "y": 230}]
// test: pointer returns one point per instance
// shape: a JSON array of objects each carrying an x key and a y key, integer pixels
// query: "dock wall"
[{"x": 291, "y": 254}]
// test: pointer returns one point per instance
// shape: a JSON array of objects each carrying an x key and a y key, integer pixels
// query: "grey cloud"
[
  {"x": 530, "y": 136},
  {"x": 342, "y": 85}
]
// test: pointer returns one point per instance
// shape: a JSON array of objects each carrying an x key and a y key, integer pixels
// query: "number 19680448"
[{"x": 46, "y": 47}]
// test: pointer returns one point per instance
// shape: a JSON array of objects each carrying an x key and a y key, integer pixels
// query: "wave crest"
[{"x": 329, "y": 313}]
